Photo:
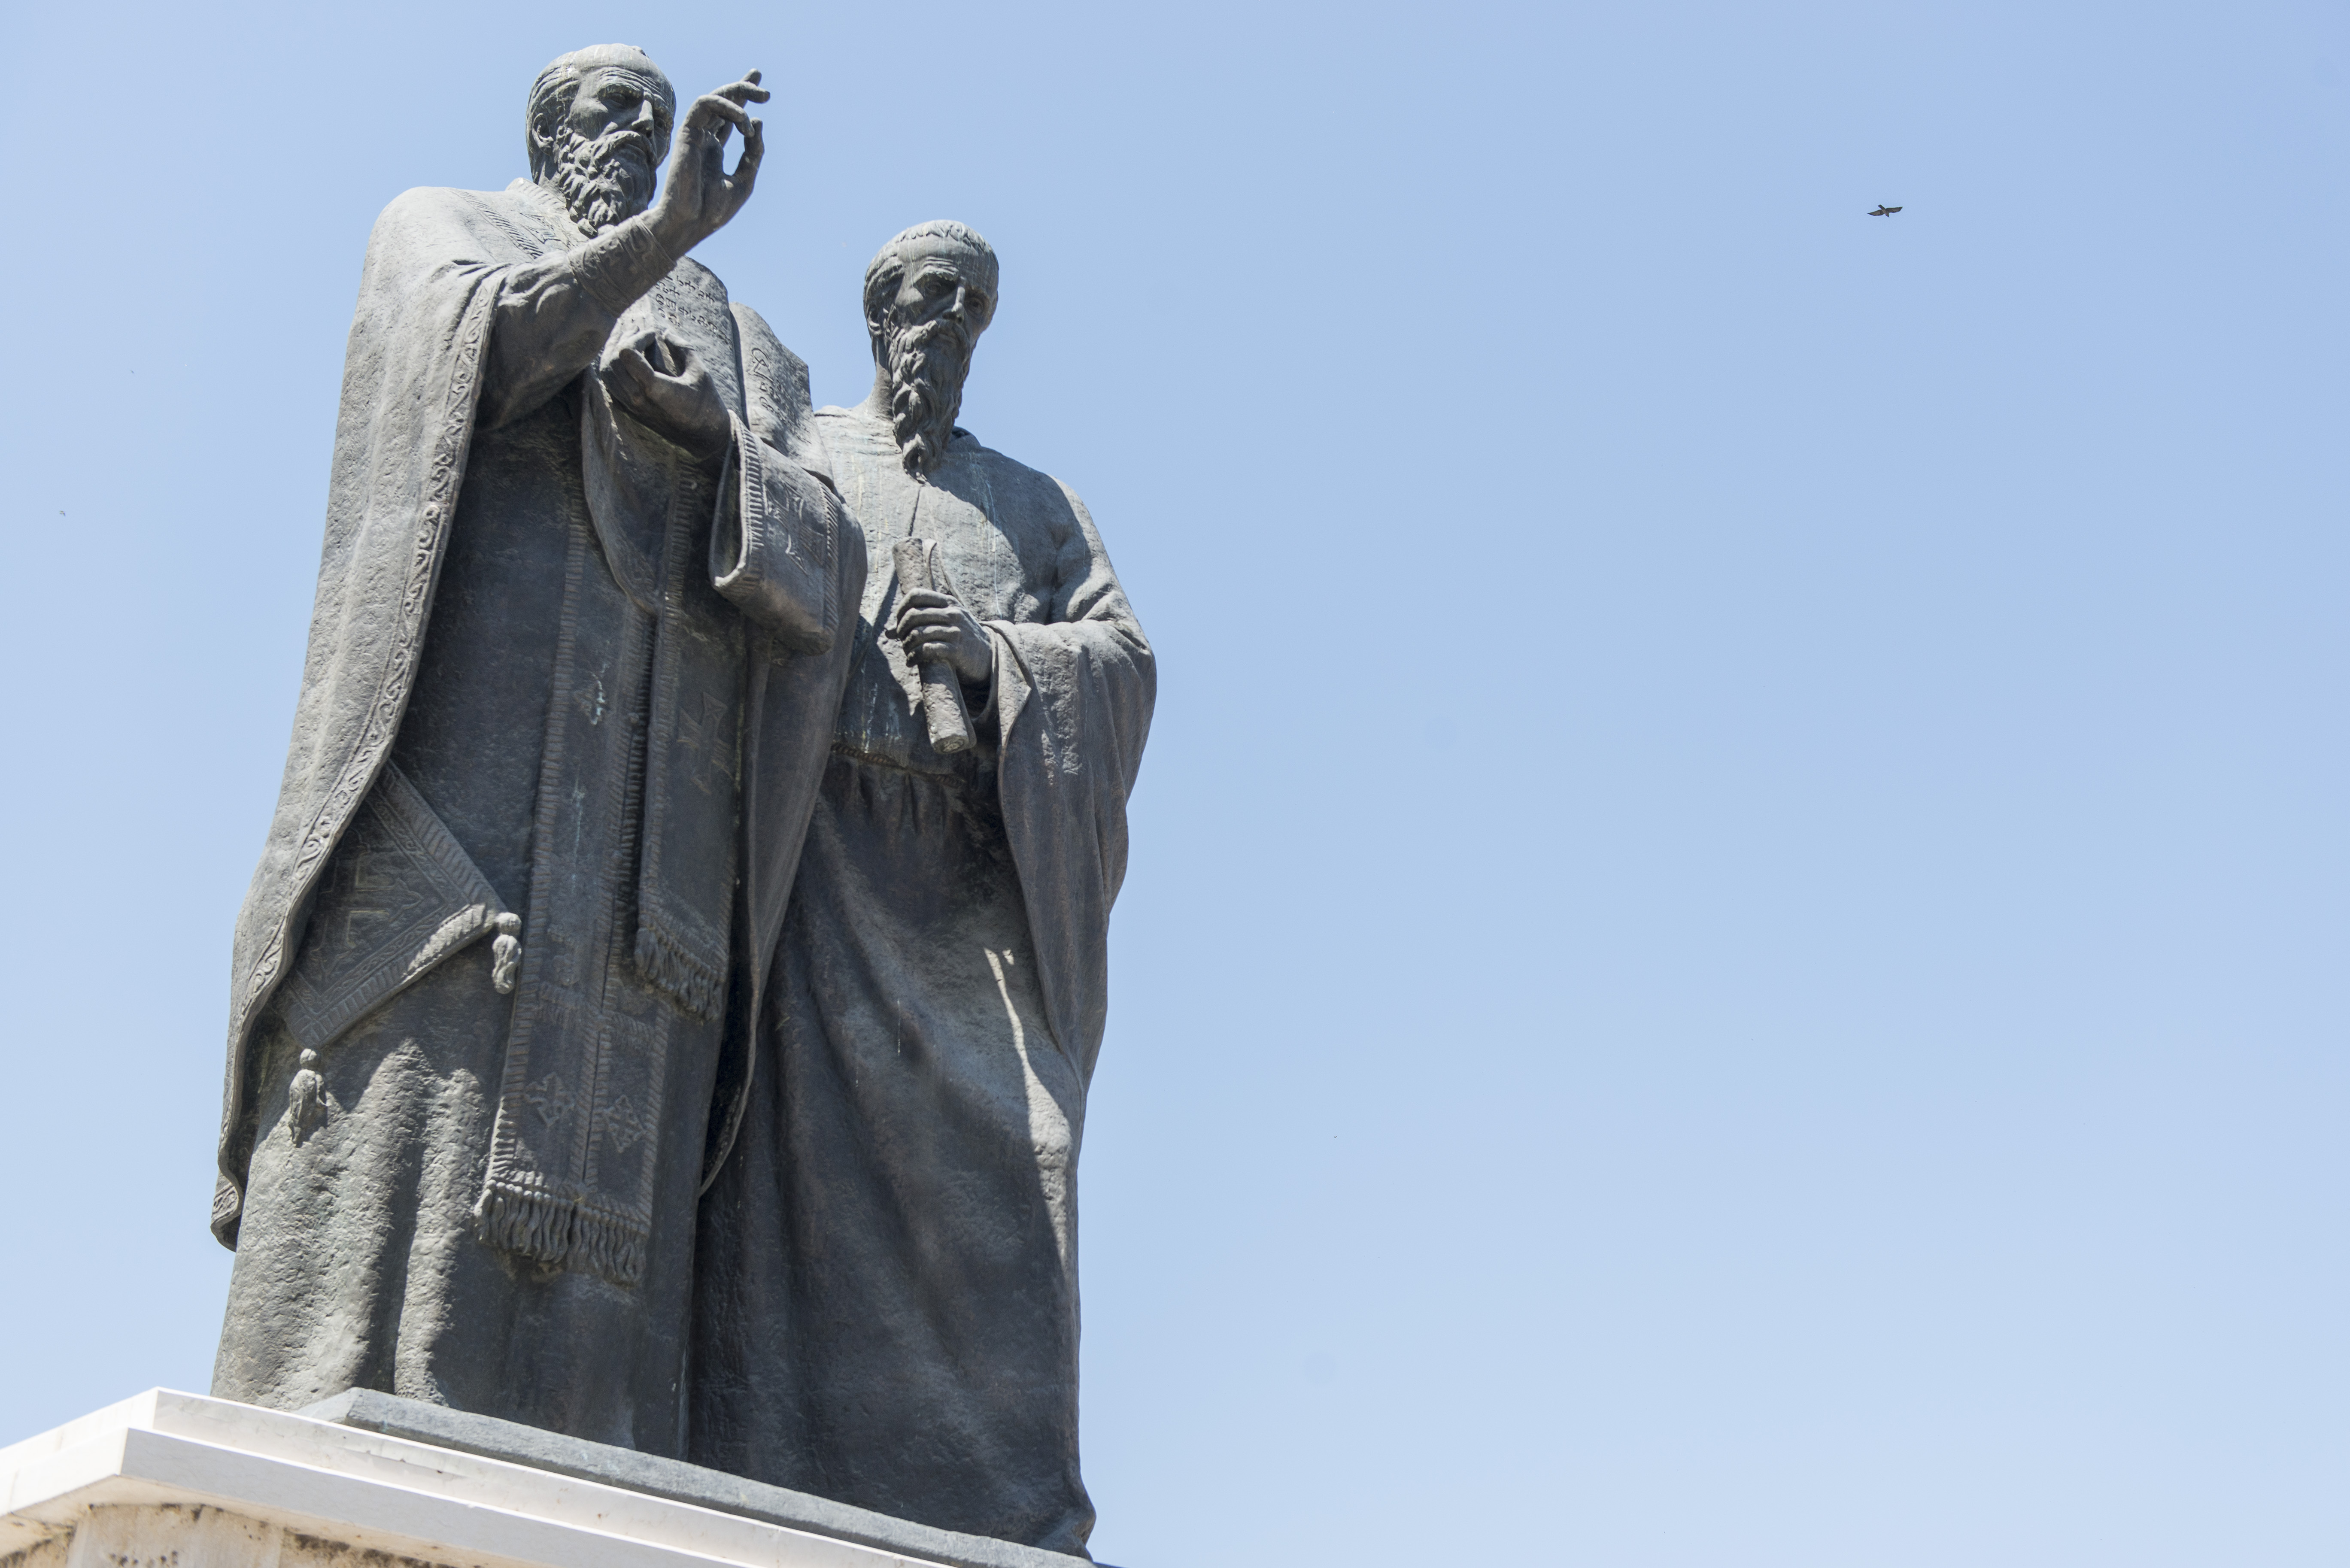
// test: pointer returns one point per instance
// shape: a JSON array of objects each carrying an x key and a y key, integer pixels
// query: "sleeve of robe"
[
  {"x": 773, "y": 551},
  {"x": 1072, "y": 696},
  {"x": 554, "y": 315}
]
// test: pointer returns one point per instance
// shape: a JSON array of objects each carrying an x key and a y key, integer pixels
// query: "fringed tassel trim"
[
  {"x": 455, "y": 931},
  {"x": 698, "y": 987},
  {"x": 556, "y": 1231}
]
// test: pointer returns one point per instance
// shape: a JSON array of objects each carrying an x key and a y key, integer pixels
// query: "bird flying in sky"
[{"x": 1883, "y": 211}]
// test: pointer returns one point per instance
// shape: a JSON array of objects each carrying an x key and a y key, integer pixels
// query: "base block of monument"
[{"x": 366, "y": 1480}]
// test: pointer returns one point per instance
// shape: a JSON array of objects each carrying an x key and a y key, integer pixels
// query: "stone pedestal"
[{"x": 174, "y": 1481}]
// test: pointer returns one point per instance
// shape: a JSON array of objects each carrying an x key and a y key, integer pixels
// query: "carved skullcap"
[
  {"x": 887, "y": 264},
  {"x": 552, "y": 94}
]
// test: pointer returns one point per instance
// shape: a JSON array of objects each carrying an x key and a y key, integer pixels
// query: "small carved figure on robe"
[
  {"x": 886, "y": 1307},
  {"x": 578, "y": 648}
]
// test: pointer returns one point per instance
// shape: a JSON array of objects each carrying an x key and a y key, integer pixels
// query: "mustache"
[
  {"x": 608, "y": 150},
  {"x": 925, "y": 334},
  {"x": 621, "y": 142},
  {"x": 606, "y": 157}
]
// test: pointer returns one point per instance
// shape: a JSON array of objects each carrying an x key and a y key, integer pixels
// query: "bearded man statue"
[
  {"x": 887, "y": 1305},
  {"x": 570, "y": 690}
]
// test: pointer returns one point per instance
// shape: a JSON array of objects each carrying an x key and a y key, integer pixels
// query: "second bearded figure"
[{"x": 886, "y": 1309}]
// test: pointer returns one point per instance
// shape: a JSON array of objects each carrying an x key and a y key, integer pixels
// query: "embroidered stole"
[{"x": 633, "y": 851}]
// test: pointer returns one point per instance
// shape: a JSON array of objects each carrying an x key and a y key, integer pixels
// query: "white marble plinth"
[{"x": 175, "y": 1481}]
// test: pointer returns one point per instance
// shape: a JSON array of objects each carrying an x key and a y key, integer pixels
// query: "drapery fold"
[
  {"x": 1072, "y": 707},
  {"x": 410, "y": 379}
]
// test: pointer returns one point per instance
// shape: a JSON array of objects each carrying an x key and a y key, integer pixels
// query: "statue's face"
[
  {"x": 942, "y": 281},
  {"x": 943, "y": 304},
  {"x": 624, "y": 114}
]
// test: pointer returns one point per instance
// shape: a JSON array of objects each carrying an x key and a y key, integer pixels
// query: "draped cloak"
[
  {"x": 473, "y": 1163},
  {"x": 886, "y": 1307}
]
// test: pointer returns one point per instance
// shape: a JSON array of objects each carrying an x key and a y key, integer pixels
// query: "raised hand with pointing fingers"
[{"x": 698, "y": 196}]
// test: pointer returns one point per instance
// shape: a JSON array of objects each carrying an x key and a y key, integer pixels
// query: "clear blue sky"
[{"x": 1735, "y": 950}]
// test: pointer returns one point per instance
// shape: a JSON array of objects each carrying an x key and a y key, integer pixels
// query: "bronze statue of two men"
[{"x": 664, "y": 1007}]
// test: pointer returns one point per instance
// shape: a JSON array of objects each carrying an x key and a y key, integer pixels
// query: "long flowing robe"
[
  {"x": 566, "y": 702},
  {"x": 887, "y": 1307}
]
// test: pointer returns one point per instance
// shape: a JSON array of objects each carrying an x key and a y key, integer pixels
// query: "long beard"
[
  {"x": 927, "y": 366},
  {"x": 601, "y": 186}
]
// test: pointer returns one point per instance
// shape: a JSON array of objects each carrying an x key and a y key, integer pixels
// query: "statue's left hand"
[
  {"x": 665, "y": 385},
  {"x": 697, "y": 195},
  {"x": 937, "y": 628}
]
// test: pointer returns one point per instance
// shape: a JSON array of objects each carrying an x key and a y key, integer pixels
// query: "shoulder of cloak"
[
  {"x": 435, "y": 226},
  {"x": 412, "y": 377},
  {"x": 1020, "y": 493}
]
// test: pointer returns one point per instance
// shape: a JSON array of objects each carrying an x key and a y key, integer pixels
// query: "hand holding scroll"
[
  {"x": 935, "y": 627},
  {"x": 941, "y": 640}
]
